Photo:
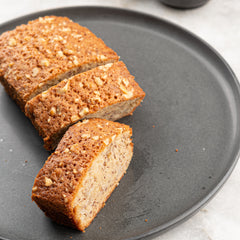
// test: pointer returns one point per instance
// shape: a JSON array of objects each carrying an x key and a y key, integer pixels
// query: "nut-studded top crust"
[
  {"x": 45, "y": 48},
  {"x": 59, "y": 179},
  {"x": 83, "y": 94}
]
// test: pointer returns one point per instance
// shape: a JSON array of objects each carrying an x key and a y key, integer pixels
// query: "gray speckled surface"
[{"x": 218, "y": 24}]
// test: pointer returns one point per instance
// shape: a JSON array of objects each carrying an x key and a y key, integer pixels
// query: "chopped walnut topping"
[
  {"x": 27, "y": 76},
  {"x": 106, "y": 141},
  {"x": 101, "y": 57},
  {"x": 44, "y": 62},
  {"x": 98, "y": 81},
  {"x": 41, "y": 84},
  {"x": 129, "y": 94},
  {"x": 11, "y": 64},
  {"x": 63, "y": 89},
  {"x": 113, "y": 137},
  {"x": 123, "y": 89},
  {"x": 48, "y": 182},
  {"x": 52, "y": 111},
  {"x": 65, "y": 200},
  {"x": 119, "y": 79},
  {"x": 34, "y": 189},
  {"x": 68, "y": 52},
  {"x": 49, "y": 120},
  {"x": 85, "y": 135},
  {"x": 44, "y": 94},
  {"x": 105, "y": 67},
  {"x": 60, "y": 54},
  {"x": 95, "y": 137},
  {"x": 45, "y": 19},
  {"x": 74, "y": 147},
  {"x": 12, "y": 42},
  {"x": 75, "y": 62},
  {"x": 120, "y": 130},
  {"x": 97, "y": 98},
  {"x": 66, "y": 150},
  {"x": 80, "y": 85},
  {"x": 108, "y": 65},
  {"x": 57, "y": 38},
  {"x": 83, "y": 111},
  {"x": 125, "y": 82},
  {"x": 77, "y": 35},
  {"x": 66, "y": 29},
  {"x": 35, "y": 72},
  {"x": 85, "y": 121},
  {"x": 64, "y": 195},
  {"x": 74, "y": 118},
  {"x": 76, "y": 100},
  {"x": 104, "y": 76},
  {"x": 74, "y": 171},
  {"x": 97, "y": 93}
]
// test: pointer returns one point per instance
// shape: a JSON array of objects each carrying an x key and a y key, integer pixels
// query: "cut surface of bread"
[
  {"x": 108, "y": 92},
  {"x": 80, "y": 175},
  {"x": 38, "y": 55}
]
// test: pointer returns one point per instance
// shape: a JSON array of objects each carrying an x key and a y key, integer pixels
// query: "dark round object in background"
[{"x": 184, "y": 4}]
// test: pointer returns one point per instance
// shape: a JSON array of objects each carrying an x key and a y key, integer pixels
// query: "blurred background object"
[{"x": 184, "y": 4}]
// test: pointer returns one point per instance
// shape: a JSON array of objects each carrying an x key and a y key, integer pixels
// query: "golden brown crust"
[
  {"x": 53, "y": 111},
  {"x": 60, "y": 178},
  {"x": 32, "y": 55}
]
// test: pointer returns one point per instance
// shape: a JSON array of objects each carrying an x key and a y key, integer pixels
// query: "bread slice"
[
  {"x": 108, "y": 92},
  {"x": 80, "y": 175},
  {"x": 38, "y": 55}
]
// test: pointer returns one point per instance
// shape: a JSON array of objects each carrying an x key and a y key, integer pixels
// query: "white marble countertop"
[{"x": 218, "y": 23}]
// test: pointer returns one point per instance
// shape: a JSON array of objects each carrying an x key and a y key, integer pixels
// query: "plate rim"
[{"x": 187, "y": 214}]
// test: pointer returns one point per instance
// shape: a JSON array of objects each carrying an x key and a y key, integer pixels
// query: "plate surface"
[{"x": 192, "y": 104}]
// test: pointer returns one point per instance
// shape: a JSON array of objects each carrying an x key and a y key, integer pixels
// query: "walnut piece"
[
  {"x": 48, "y": 182},
  {"x": 35, "y": 72}
]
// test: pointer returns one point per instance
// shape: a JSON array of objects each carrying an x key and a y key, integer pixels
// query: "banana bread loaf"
[
  {"x": 38, "y": 55},
  {"x": 108, "y": 92},
  {"x": 80, "y": 175}
]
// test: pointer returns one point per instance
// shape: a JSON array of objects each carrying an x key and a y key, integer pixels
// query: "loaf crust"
[
  {"x": 108, "y": 92},
  {"x": 38, "y": 55},
  {"x": 61, "y": 178}
]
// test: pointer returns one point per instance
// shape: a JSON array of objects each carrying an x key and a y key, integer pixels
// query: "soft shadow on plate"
[{"x": 22, "y": 128}]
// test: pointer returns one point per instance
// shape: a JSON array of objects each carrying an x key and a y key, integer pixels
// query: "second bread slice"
[
  {"x": 80, "y": 175},
  {"x": 108, "y": 92}
]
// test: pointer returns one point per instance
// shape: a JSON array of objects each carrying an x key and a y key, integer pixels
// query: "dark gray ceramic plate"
[{"x": 192, "y": 99}]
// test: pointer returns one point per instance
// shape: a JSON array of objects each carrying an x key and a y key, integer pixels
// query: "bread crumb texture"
[
  {"x": 69, "y": 180},
  {"x": 39, "y": 54},
  {"x": 84, "y": 96}
]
